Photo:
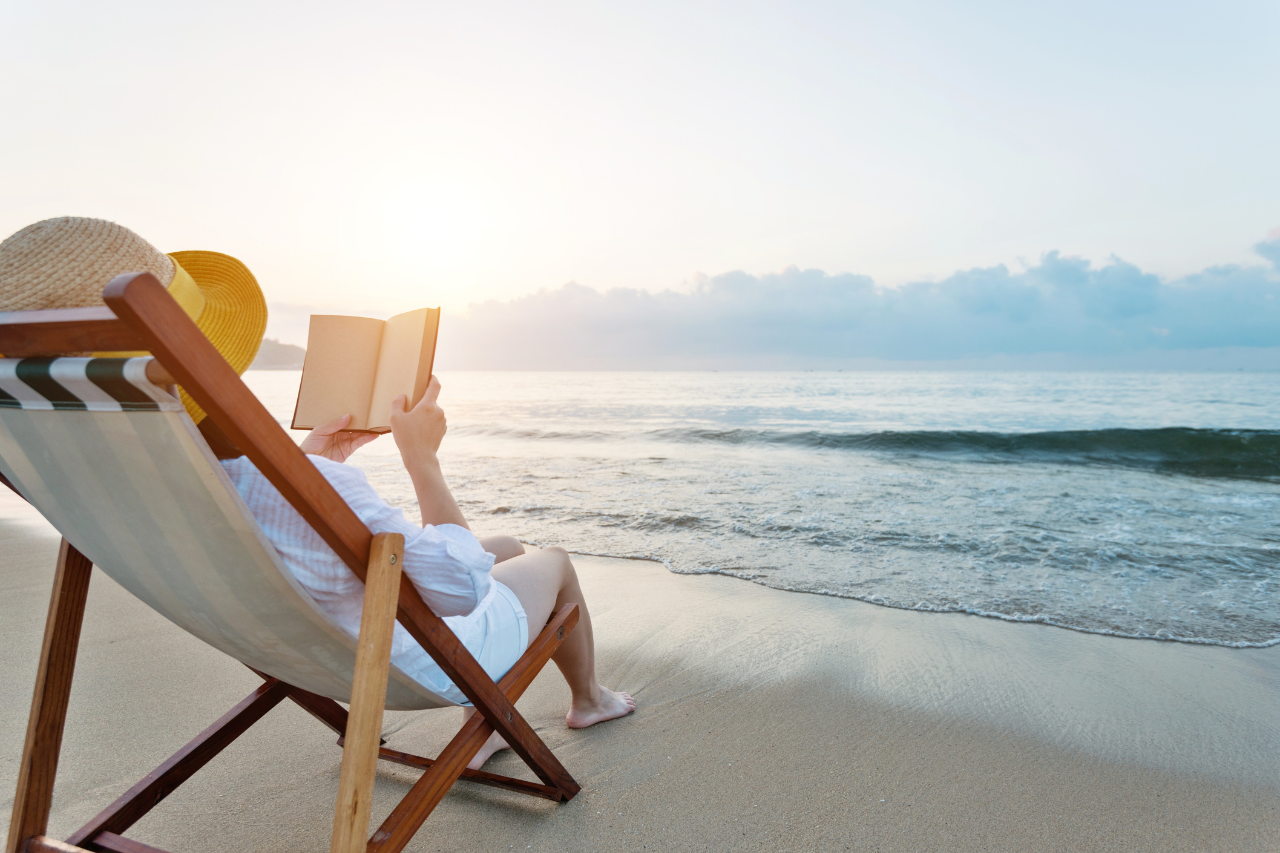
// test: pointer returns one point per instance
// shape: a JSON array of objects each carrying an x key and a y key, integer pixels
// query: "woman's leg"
[
  {"x": 502, "y": 547},
  {"x": 544, "y": 581}
]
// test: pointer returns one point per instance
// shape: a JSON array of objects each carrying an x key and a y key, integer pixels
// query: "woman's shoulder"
[{"x": 347, "y": 479}]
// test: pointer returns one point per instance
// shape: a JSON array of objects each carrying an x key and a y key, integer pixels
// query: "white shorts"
[{"x": 496, "y": 633}]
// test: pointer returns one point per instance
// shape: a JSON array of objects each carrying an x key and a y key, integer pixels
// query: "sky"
[{"x": 378, "y": 157}]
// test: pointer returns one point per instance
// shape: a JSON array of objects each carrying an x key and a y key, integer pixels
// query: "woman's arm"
[{"x": 418, "y": 433}]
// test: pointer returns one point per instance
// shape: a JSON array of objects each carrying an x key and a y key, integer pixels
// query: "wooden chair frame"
[{"x": 140, "y": 315}]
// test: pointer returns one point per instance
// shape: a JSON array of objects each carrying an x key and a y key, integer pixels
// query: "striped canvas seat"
[{"x": 118, "y": 467}]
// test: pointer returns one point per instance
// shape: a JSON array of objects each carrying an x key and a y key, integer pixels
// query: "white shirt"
[{"x": 445, "y": 562}]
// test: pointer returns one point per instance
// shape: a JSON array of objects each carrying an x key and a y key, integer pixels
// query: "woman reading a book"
[{"x": 494, "y": 593}]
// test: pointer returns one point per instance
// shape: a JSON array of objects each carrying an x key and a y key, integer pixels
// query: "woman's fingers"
[
  {"x": 433, "y": 391},
  {"x": 360, "y": 439},
  {"x": 320, "y": 439},
  {"x": 332, "y": 426}
]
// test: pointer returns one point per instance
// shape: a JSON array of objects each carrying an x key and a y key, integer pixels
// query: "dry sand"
[{"x": 767, "y": 720}]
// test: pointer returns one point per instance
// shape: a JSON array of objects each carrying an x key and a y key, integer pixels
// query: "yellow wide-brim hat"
[{"x": 68, "y": 261}]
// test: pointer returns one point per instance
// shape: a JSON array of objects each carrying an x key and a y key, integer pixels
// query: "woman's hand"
[
  {"x": 419, "y": 431},
  {"x": 334, "y": 442}
]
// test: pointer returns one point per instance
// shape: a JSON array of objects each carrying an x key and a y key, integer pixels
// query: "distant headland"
[{"x": 273, "y": 355}]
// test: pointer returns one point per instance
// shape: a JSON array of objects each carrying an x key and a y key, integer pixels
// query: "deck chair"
[{"x": 118, "y": 467}]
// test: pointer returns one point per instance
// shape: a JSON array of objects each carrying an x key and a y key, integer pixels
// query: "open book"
[{"x": 357, "y": 366}]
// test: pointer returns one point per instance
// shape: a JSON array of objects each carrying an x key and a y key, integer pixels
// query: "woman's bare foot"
[
  {"x": 609, "y": 707},
  {"x": 495, "y": 743}
]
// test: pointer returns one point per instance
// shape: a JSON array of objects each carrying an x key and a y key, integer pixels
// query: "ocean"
[{"x": 1135, "y": 504}]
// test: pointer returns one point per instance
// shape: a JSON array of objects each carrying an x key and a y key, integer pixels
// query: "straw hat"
[{"x": 66, "y": 263}]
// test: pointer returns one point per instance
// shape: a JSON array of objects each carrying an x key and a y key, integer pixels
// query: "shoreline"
[
  {"x": 978, "y": 614},
  {"x": 998, "y": 617},
  {"x": 766, "y": 721}
]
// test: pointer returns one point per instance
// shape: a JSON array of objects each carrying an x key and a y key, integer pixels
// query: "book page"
[
  {"x": 339, "y": 370},
  {"x": 404, "y": 364}
]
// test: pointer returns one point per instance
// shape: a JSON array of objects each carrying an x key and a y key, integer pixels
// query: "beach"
[{"x": 767, "y": 720}]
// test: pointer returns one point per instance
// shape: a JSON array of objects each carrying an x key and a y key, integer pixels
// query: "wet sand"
[{"x": 767, "y": 720}]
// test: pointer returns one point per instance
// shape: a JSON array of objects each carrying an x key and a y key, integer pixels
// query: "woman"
[{"x": 490, "y": 591}]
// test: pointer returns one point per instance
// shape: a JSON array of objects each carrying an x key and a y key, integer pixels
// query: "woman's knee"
[
  {"x": 502, "y": 547},
  {"x": 539, "y": 572},
  {"x": 563, "y": 562}
]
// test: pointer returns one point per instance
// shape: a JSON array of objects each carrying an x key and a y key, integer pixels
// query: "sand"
[{"x": 767, "y": 720}]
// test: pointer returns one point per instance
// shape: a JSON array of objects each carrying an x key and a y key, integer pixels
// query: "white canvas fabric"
[
  {"x": 125, "y": 476},
  {"x": 446, "y": 564}
]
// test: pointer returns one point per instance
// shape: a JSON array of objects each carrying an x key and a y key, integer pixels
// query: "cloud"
[
  {"x": 1271, "y": 248},
  {"x": 806, "y": 318}
]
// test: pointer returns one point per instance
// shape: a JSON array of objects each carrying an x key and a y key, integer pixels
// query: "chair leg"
[
  {"x": 362, "y": 726},
  {"x": 481, "y": 777},
  {"x": 322, "y": 708},
  {"x": 113, "y": 843},
  {"x": 44, "y": 844},
  {"x": 107, "y": 841},
  {"x": 410, "y": 813},
  {"x": 368, "y": 695},
  {"x": 40, "y": 753}
]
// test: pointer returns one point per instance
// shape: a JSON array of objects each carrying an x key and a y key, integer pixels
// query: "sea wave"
[{"x": 1230, "y": 454}]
